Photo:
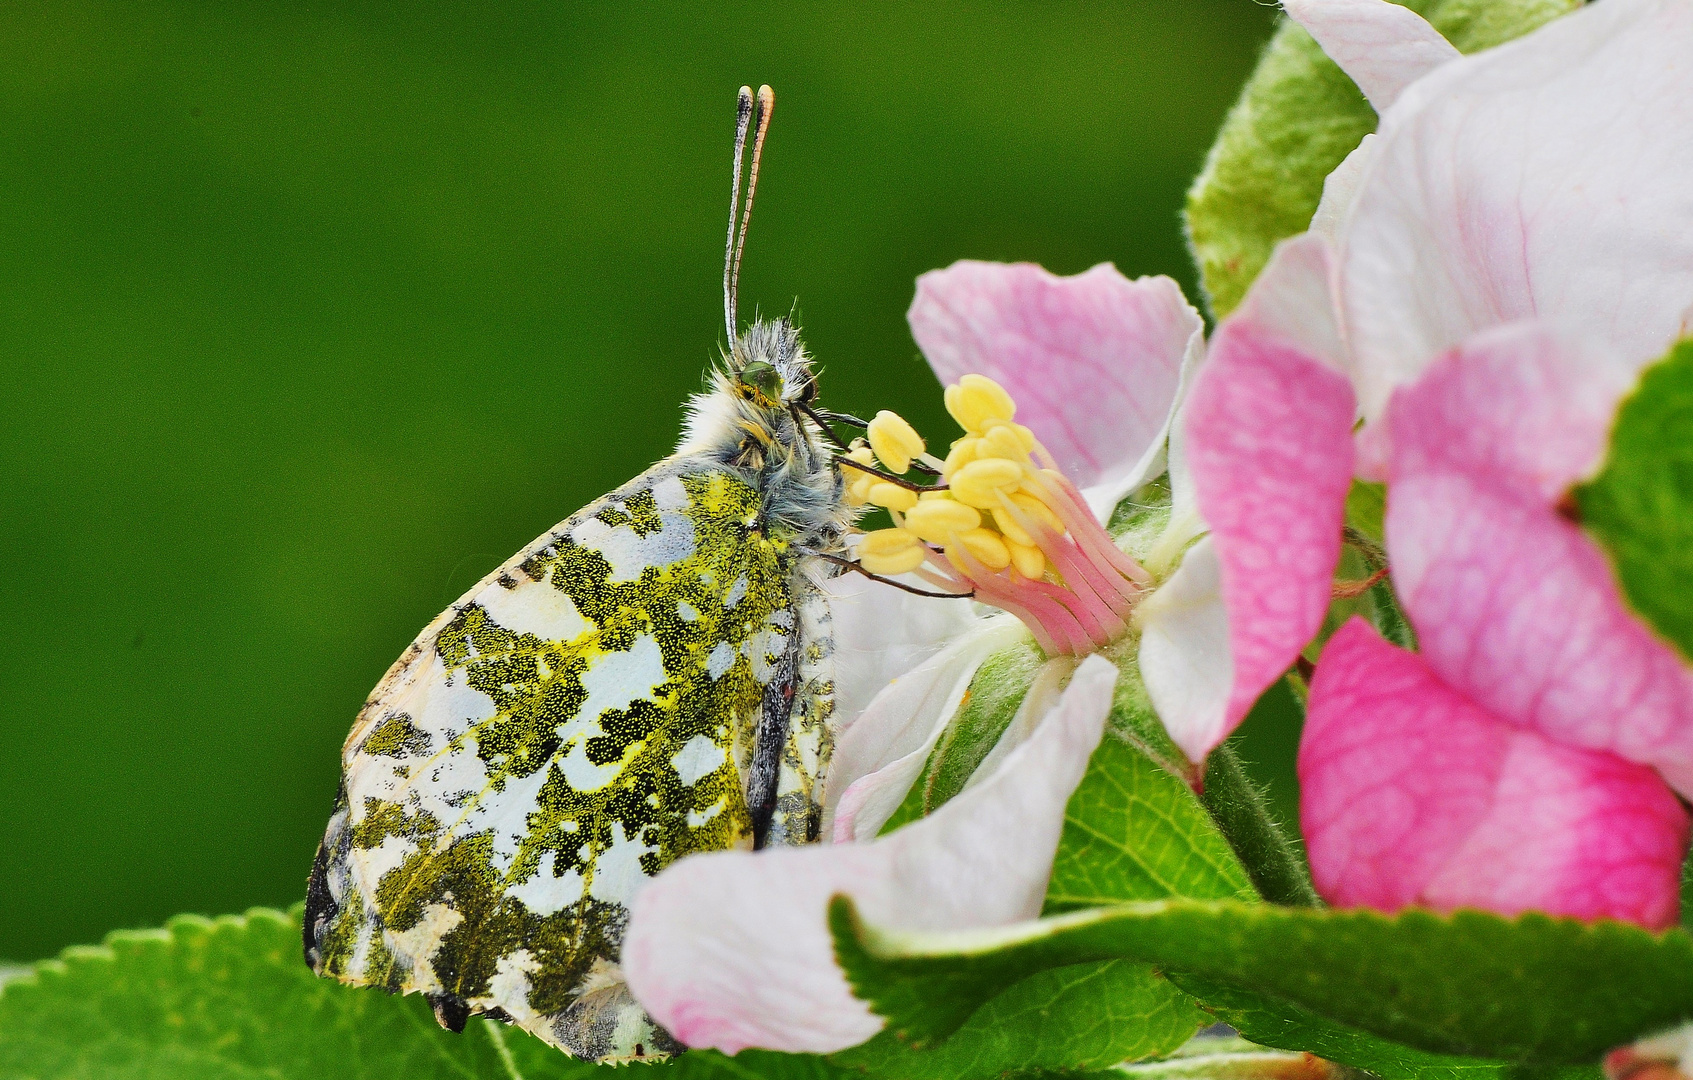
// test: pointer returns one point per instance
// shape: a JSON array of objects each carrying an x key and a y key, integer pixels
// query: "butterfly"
[{"x": 650, "y": 678}]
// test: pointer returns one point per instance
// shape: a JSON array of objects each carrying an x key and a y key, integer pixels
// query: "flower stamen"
[{"x": 1007, "y": 524}]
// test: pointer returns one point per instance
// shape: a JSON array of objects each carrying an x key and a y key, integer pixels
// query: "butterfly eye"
[{"x": 762, "y": 377}]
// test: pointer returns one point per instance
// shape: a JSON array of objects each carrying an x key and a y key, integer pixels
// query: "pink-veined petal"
[
  {"x": 1093, "y": 360},
  {"x": 1513, "y": 604},
  {"x": 1413, "y": 794},
  {"x": 1292, "y": 302},
  {"x": 732, "y": 949},
  {"x": 1102, "y": 497},
  {"x": 1539, "y": 179},
  {"x": 1270, "y": 447},
  {"x": 881, "y": 633},
  {"x": 1381, "y": 46}
]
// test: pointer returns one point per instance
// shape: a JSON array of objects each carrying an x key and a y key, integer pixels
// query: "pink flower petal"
[
  {"x": 1292, "y": 302},
  {"x": 1092, "y": 360},
  {"x": 1413, "y": 794},
  {"x": 1537, "y": 179},
  {"x": 1383, "y": 47},
  {"x": 1269, "y": 444},
  {"x": 731, "y": 949},
  {"x": 1514, "y": 606}
]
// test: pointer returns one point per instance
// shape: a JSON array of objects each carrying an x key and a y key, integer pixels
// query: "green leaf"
[
  {"x": 1087, "y": 1016},
  {"x": 1366, "y": 509},
  {"x": 1297, "y": 118},
  {"x": 1537, "y": 989},
  {"x": 231, "y": 999},
  {"x": 1132, "y": 831},
  {"x": 1640, "y": 508},
  {"x": 1289, "y": 1027}
]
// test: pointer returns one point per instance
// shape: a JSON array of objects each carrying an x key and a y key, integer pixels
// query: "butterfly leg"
[{"x": 771, "y": 740}]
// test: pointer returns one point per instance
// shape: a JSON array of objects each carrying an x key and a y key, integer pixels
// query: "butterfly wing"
[{"x": 581, "y": 718}]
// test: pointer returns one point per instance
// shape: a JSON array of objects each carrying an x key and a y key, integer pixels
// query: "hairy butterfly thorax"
[{"x": 650, "y": 678}]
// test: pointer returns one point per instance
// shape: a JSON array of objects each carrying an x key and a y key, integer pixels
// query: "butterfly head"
[{"x": 768, "y": 366}]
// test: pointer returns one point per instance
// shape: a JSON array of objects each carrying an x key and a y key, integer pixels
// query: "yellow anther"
[
  {"x": 987, "y": 547},
  {"x": 927, "y": 495},
  {"x": 963, "y": 453},
  {"x": 950, "y": 398},
  {"x": 978, "y": 483},
  {"x": 892, "y": 496},
  {"x": 858, "y": 482},
  {"x": 1029, "y": 506},
  {"x": 1004, "y": 441},
  {"x": 894, "y": 441},
  {"x": 936, "y": 520},
  {"x": 975, "y": 400},
  {"x": 859, "y": 489},
  {"x": 1024, "y": 435},
  {"x": 890, "y": 551},
  {"x": 1028, "y": 561}
]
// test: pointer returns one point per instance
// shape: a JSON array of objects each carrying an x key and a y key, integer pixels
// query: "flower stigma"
[{"x": 1006, "y": 524}]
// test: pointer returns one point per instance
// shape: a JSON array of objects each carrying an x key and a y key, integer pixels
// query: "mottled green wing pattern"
[{"x": 583, "y": 717}]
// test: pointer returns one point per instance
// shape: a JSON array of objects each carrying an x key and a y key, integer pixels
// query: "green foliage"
[
  {"x": 1132, "y": 831},
  {"x": 1641, "y": 506},
  {"x": 1298, "y": 118},
  {"x": 1087, "y": 1016},
  {"x": 1286, "y": 1026},
  {"x": 1366, "y": 509},
  {"x": 231, "y": 999},
  {"x": 1535, "y": 989}
]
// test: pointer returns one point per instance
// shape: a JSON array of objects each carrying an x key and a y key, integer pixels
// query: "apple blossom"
[
  {"x": 1059, "y": 383},
  {"x": 1406, "y": 306}
]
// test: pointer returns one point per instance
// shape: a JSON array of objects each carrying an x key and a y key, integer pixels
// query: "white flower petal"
[
  {"x": 1340, "y": 191},
  {"x": 1184, "y": 652},
  {"x": 881, "y": 633},
  {"x": 1547, "y": 178},
  {"x": 1381, "y": 46},
  {"x": 732, "y": 949},
  {"x": 877, "y": 758}
]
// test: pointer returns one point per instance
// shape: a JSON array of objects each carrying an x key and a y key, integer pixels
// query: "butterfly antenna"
[
  {"x": 761, "y": 125},
  {"x": 743, "y": 113}
]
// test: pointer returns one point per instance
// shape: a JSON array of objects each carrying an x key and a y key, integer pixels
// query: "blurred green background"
[{"x": 312, "y": 314}]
